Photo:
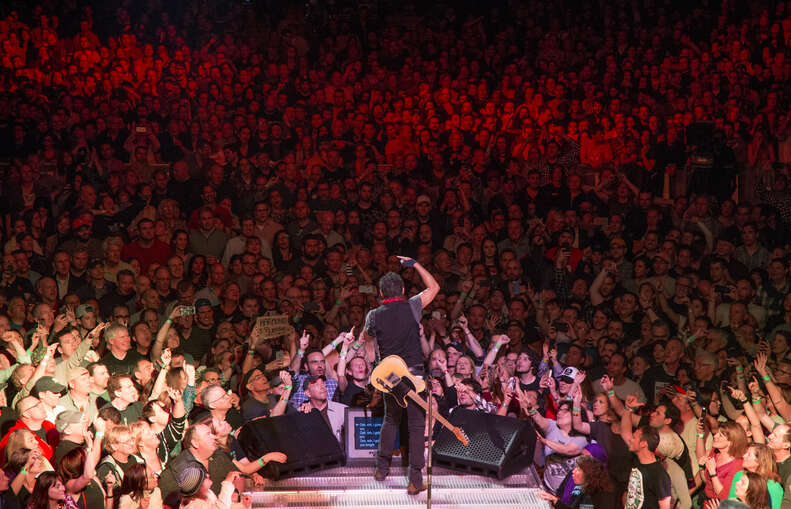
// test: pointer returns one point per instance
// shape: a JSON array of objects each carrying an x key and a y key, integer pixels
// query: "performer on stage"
[{"x": 395, "y": 327}]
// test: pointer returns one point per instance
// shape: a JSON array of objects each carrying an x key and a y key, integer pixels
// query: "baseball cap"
[
  {"x": 82, "y": 310},
  {"x": 247, "y": 376},
  {"x": 660, "y": 256},
  {"x": 237, "y": 317},
  {"x": 617, "y": 241},
  {"x": 47, "y": 384},
  {"x": 597, "y": 451},
  {"x": 65, "y": 418},
  {"x": 83, "y": 220},
  {"x": 568, "y": 375},
  {"x": 310, "y": 379},
  {"x": 95, "y": 262},
  {"x": 201, "y": 303},
  {"x": 423, "y": 199}
]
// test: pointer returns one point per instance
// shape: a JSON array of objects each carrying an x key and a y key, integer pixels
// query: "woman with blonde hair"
[
  {"x": 24, "y": 440},
  {"x": 760, "y": 460},
  {"x": 146, "y": 443},
  {"x": 118, "y": 442}
]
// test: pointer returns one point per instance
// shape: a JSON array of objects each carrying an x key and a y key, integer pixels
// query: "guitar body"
[{"x": 392, "y": 376}]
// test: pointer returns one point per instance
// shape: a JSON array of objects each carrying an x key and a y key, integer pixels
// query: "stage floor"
[{"x": 354, "y": 486}]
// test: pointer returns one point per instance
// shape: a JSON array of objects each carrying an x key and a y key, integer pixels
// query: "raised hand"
[
  {"x": 232, "y": 476},
  {"x": 61, "y": 321},
  {"x": 406, "y": 261},
  {"x": 96, "y": 331},
  {"x": 174, "y": 394},
  {"x": 166, "y": 357},
  {"x": 754, "y": 387},
  {"x": 632, "y": 401},
  {"x": 463, "y": 322},
  {"x": 304, "y": 341},
  {"x": 737, "y": 394},
  {"x": 189, "y": 369},
  {"x": 760, "y": 363},
  {"x": 606, "y": 383}
]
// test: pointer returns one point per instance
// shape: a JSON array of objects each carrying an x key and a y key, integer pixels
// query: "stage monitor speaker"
[
  {"x": 499, "y": 446},
  {"x": 305, "y": 439}
]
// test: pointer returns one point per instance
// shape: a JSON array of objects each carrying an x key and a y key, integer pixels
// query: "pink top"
[{"x": 725, "y": 474}]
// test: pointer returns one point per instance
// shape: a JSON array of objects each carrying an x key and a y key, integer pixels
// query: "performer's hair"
[{"x": 391, "y": 285}]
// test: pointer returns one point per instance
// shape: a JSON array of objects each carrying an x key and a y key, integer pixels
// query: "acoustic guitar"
[{"x": 392, "y": 376}]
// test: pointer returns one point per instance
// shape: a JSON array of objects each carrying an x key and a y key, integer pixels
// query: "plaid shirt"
[{"x": 299, "y": 396}]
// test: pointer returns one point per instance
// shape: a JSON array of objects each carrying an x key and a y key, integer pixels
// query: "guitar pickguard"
[{"x": 401, "y": 390}]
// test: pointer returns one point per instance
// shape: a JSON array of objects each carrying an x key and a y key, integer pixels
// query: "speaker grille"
[{"x": 498, "y": 445}]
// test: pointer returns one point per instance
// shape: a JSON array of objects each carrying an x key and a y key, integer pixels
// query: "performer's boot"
[{"x": 414, "y": 490}]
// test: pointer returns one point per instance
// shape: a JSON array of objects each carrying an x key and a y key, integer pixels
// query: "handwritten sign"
[{"x": 272, "y": 326}]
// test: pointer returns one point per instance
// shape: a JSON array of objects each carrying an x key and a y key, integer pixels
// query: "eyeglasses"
[{"x": 31, "y": 407}]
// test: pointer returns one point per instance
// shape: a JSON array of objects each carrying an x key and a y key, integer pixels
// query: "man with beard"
[
  {"x": 312, "y": 248},
  {"x": 83, "y": 239},
  {"x": 302, "y": 225}
]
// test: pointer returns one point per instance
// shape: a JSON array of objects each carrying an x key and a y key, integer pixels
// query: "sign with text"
[{"x": 272, "y": 326}]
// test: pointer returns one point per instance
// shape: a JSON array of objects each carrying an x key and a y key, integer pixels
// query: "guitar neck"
[{"x": 436, "y": 415}]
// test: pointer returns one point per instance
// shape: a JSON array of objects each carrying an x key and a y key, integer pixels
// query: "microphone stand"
[{"x": 430, "y": 418}]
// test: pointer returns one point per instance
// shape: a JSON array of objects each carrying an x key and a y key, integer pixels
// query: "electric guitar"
[{"x": 392, "y": 376}]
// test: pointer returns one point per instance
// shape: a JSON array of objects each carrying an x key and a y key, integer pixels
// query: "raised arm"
[
  {"x": 472, "y": 342},
  {"x": 432, "y": 287},
  {"x": 347, "y": 338},
  {"x": 755, "y": 421},
  {"x": 164, "y": 366},
  {"x": 296, "y": 360},
  {"x": 77, "y": 357},
  {"x": 775, "y": 393},
  {"x": 162, "y": 334},
  {"x": 577, "y": 423},
  {"x": 498, "y": 340},
  {"x": 282, "y": 403},
  {"x": 596, "y": 296}
]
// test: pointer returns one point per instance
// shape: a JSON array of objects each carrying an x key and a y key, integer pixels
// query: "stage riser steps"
[
  {"x": 440, "y": 498},
  {"x": 354, "y": 486}
]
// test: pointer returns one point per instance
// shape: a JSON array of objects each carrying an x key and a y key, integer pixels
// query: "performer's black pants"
[{"x": 416, "y": 422}]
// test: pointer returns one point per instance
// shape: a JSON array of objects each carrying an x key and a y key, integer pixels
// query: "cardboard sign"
[{"x": 272, "y": 326}]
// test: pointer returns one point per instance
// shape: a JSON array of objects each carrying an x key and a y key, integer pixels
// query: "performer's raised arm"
[{"x": 432, "y": 287}]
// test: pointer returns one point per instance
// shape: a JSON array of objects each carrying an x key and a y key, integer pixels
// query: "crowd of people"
[{"x": 599, "y": 188}]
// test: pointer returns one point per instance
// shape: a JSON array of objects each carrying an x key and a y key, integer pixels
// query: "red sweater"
[{"x": 47, "y": 448}]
